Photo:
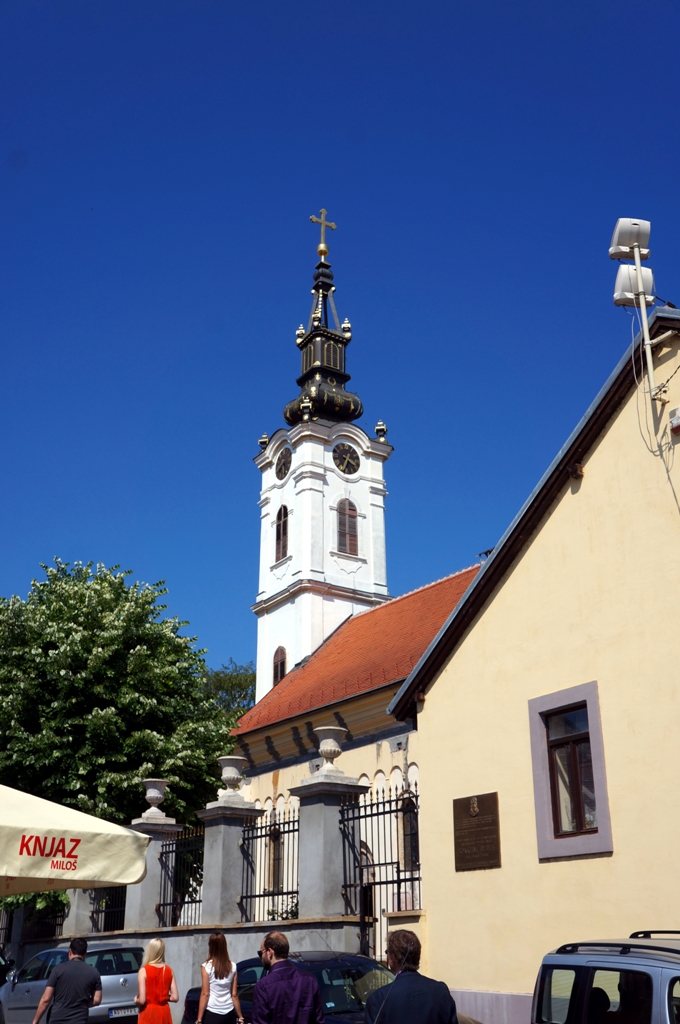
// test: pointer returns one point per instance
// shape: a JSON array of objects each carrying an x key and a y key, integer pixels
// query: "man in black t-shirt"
[{"x": 74, "y": 985}]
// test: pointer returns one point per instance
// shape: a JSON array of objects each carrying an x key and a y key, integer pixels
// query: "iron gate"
[
  {"x": 381, "y": 861},
  {"x": 270, "y": 886},
  {"x": 181, "y": 894},
  {"x": 108, "y": 908}
]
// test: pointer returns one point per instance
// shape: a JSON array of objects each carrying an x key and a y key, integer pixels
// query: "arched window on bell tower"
[
  {"x": 281, "y": 533},
  {"x": 348, "y": 538},
  {"x": 279, "y": 664}
]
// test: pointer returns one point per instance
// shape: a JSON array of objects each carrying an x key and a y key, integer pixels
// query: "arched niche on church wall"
[
  {"x": 379, "y": 785},
  {"x": 413, "y": 776}
]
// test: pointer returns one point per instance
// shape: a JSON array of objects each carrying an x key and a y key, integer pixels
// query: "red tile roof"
[{"x": 369, "y": 650}]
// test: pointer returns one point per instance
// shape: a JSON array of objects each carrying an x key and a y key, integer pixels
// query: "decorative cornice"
[
  {"x": 324, "y": 432},
  {"x": 319, "y": 588}
]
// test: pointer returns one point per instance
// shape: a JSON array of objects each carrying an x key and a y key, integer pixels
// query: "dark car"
[{"x": 345, "y": 982}]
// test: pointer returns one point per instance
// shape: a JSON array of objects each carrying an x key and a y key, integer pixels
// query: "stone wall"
[{"x": 187, "y": 948}]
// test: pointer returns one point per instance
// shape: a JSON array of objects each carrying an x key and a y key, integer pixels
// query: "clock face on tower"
[
  {"x": 346, "y": 458},
  {"x": 283, "y": 463}
]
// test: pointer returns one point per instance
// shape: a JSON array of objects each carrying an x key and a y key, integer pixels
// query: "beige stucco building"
[{"x": 574, "y": 610}]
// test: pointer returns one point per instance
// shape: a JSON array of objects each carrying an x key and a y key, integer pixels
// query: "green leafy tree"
[
  {"x": 98, "y": 691},
  {"x": 232, "y": 686}
]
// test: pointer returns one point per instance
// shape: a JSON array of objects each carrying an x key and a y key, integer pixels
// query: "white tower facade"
[
  {"x": 322, "y": 540},
  {"x": 331, "y": 562}
]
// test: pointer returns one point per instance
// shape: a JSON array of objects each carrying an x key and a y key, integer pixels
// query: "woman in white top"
[{"x": 219, "y": 1002}]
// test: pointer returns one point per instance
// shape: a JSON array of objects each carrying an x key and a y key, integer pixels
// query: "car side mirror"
[{"x": 12, "y": 978}]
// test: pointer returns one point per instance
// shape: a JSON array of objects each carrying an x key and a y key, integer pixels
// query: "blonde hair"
[{"x": 154, "y": 953}]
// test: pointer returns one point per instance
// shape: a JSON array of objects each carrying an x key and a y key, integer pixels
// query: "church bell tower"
[{"x": 322, "y": 503}]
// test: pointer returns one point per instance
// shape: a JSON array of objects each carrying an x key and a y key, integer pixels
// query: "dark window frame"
[
  {"x": 572, "y": 742},
  {"x": 281, "y": 534},
  {"x": 348, "y": 528},
  {"x": 279, "y": 665},
  {"x": 589, "y": 844}
]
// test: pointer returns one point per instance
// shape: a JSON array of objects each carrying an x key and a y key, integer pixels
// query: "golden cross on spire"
[{"x": 322, "y": 248}]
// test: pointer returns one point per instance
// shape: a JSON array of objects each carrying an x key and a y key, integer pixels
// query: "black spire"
[{"x": 323, "y": 378}]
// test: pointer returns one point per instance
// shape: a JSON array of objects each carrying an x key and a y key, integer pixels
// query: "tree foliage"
[
  {"x": 232, "y": 686},
  {"x": 98, "y": 691}
]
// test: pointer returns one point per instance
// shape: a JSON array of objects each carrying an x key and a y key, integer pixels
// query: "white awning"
[{"x": 44, "y": 845}]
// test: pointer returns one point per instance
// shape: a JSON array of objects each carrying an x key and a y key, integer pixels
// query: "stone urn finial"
[
  {"x": 155, "y": 793},
  {"x": 330, "y": 737},
  {"x": 232, "y": 767}
]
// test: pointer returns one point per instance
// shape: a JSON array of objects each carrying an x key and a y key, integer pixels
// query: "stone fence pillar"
[
  {"x": 223, "y": 864},
  {"x": 320, "y": 844},
  {"x": 78, "y": 917},
  {"x": 142, "y": 899}
]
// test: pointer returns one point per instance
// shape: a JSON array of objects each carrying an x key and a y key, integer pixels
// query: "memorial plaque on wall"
[{"x": 476, "y": 832}]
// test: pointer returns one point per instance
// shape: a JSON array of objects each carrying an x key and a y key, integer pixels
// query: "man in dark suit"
[{"x": 411, "y": 998}]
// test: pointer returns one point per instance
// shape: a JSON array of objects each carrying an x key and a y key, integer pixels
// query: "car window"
[
  {"x": 346, "y": 989},
  {"x": 619, "y": 997},
  {"x": 52, "y": 958},
  {"x": 556, "y": 995},
  {"x": 247, "y": 977},
  {"x": 33, "y": 969},
  {"x": 674, "y": 1001},
  {"x": 115, "y": 961}
]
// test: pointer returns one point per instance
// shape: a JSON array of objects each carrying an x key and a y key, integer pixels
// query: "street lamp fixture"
[{"x": 635, "y": 284}]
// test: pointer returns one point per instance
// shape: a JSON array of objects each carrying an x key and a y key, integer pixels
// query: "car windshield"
[
  {"x": 116, "y": 961},
  {"x": 345, "y": 989}
]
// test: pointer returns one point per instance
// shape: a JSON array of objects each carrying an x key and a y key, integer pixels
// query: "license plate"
[{"x": 125, "y": 1011}]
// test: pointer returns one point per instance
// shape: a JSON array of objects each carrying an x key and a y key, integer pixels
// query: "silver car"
[{"x": 117, "y": 965}]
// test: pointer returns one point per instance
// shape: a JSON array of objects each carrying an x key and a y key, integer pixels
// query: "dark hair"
[
  {"x": 278, "y": 944},
  {"x": 218, "y": 954},
  {"x": 78, "y": 947},
  {"x": 404, "y": 948}
]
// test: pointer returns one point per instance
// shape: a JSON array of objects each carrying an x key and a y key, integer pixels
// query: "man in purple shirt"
[{"x": 284, "y": 995}]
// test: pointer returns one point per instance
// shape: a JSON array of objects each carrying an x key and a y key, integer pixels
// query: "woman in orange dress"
[{"x": 157, "y": 986}]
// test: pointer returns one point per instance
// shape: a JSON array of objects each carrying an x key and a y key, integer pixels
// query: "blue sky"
[{"x": 161, "y": 161}]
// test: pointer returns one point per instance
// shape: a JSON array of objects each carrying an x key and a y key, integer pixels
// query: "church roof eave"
[
  {"x": 527, "y": 520},
  {"x": 371, "y": 649}
]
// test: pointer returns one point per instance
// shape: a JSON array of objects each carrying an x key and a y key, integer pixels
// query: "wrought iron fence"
[
  {"x": 270, "y": 886},
  {"x": 6, "y": 921},
  {"x": 181, "y": 894},
  {"x": 43, "y": 924},
  {"x": 381, "y": 861},
  {"x": 108, "y": 908}
]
